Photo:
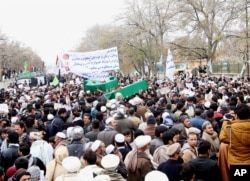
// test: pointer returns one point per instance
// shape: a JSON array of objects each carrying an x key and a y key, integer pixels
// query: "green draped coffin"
[
  {"x": 129, "y": 90},
  {"x": 93, "y": 85}
]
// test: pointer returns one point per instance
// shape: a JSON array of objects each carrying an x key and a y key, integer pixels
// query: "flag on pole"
[
  {"x": 30, "y": 67},
  {"x": 57, "y": 59},
  {"x": 170, "y": 67},
  {"x": 243, "y": 70},
  {"x": 25, "y": 66},
  {"x": 55, "y": 81},
  {"x": 210, "y": 67}
]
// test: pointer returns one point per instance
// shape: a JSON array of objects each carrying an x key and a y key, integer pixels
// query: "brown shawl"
[
  {"x": 213, "y": 139},
  {"x": 131, "y": 160}
]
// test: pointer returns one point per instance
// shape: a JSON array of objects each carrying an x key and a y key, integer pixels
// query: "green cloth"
[
  {"x": 93, "y": 85},
  {"x": 27, "y": 74},
  {"x": 129, "y": 90},
  {"x": 55, "y": 81}
]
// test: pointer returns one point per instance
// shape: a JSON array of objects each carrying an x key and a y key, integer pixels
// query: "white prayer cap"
[
  {"x": 155, "y": 174},
  {"x": 113, "y": 106},
  {"x": 69, "y": 131},
  {"x": 110, "y": 161},
  {"x": 81, "y": 93},
  {"x": 108, "y": 105},
  {"x": 137, "y": 100},
  {"x": 103, "y": 108},
  {"x": 34, "y": 135},
  {"x": 61, "y": 135},
  {"x": 108, "y": 120},
  {"x": 119, "y": 138},
  {"x": 110, "y": 148},
  {"x": 50, "y": 117},
  {"x": 71, "y": 164},
  {"x": 118, "y": 96},
  {"x": 95, "y": 145},
  {"x": 142, "y": 140}
]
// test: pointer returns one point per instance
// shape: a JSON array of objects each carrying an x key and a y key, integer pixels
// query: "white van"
[
  {"x": 32, "y": 82},
  {"x": 23, "y": 80}
]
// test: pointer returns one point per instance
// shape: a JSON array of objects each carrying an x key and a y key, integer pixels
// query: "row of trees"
[
  {"x": 192, "y": 29},
  {"x": 145, "y": 29},
  {"x": 13, "y": 54}
]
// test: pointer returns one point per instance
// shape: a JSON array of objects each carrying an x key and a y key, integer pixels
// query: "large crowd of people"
[{"x": 192, "y": 129}]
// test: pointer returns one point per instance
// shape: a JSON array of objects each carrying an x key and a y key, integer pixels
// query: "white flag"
[
  {"x": 210, "y": 66},
  {"x": 170, "y": 67}
]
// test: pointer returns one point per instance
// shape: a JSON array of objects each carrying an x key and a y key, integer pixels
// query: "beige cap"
[{"x": 174, "y": 148}]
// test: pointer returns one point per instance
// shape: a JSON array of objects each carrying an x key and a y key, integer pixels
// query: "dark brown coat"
[{"x": 143, "y": 166}]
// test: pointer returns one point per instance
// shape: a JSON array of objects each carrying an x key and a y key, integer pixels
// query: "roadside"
[{"x": 5, "y": 84}]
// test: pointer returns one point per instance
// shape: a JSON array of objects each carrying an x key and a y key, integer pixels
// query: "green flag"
[
  {"x": 55, "y": 81},
  {"x": 25, "y": 66}
]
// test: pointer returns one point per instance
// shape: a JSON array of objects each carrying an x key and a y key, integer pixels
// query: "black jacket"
[
  {"x": 9, "y": 156},
  {"x": 206, "y": 169},
  {"x": 36, "y": 161}
]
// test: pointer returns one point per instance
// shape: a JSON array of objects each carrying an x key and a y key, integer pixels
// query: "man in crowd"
[
  {"x": 172, "y": 166},
  {"x": 205, "y": 168},
  {"x": 137, "y": 162},
  {"x": 238, "y": 136},
  {"x": 108, "y": 134},
  {"x": 211, "y": 136},
  {"x": 8, "y": 156},
  {"x": 189, "y": 149},
  {"x": 20, "y": 129}
]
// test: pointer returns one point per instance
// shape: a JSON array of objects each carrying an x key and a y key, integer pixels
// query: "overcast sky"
[{"x": 50, "y": 27}]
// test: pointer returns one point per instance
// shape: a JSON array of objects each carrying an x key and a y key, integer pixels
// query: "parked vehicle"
[{"x": 31, "y": 81}]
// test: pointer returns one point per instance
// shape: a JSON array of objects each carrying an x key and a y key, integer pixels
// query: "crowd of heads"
[{"x": 184, "y": 115}]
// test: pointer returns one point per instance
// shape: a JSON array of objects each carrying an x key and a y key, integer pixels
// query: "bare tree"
[
  {"x": 147, "y": 22},
  {"x": 210, "y": 20},
  {"x": 193, "y": 29},
  {"x": 13, "y": 54}
]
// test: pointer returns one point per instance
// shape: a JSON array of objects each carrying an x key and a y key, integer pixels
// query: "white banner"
[
  {"x": 89, "y": 63},
  {"x": 170, "y": 67},
  {"x": 94, "y": 75}
]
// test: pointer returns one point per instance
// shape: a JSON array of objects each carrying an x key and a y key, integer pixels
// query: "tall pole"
[
  {"x": 247, "y": 44},
  {"x": 59, "y": 70}
]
